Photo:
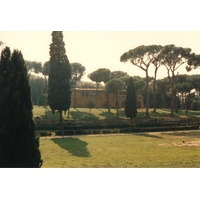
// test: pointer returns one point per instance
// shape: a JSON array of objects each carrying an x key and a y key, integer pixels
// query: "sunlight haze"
[{"x": 99, "y": 49}]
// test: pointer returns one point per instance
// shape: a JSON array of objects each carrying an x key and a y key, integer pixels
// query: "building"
[{"x": 82, "y": 96}]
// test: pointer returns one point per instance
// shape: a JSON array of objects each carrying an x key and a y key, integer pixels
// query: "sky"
[{"x": 100, "y": 49}]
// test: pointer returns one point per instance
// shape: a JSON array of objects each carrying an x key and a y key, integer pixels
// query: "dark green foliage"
[
  {"x": 18, "y": 144},
  {"x": 33, "y": 66},
  {"x": 59, "y": 97},
  {"x": 195, "y": 105},
  {"x": 38, "y": 87},
  {"x": 91, "y": 105},
  {"x": 114, "y": 86},
  {"x": 77, "y": 73},
  {"x": 59, "y": 94},
  {"x": 142, "y": 57},
  {"x": 173, "y": 58},
  {"x": 42, "y": 100},
  {"x": 100, "y": 75},
  {"x": 131, "y": 101},
  {"x": 46, "y": 68}
]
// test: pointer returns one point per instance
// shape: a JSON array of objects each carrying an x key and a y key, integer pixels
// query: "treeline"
[
  {"x": 157, "y": 93},
  {"x": 187, "y": 88}
]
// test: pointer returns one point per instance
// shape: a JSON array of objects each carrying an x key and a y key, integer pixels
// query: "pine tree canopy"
[{"x": 59, "y": 97}]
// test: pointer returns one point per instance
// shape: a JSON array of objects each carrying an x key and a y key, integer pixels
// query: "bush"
[
  {"x": 42, "y": 100},
  {"x": 42, "y": 134},
  {"x": 195, "y": 105}
]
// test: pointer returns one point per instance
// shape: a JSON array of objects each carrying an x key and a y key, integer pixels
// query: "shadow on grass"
[
  {"x": 149, "y": 135},
  {"x": 74, "y": 146},
  {"x": 83, "y": 115},
  {"x": 108, "y": 115}
]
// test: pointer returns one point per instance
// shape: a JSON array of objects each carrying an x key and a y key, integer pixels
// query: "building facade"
[{"x": 81, "y": 98}]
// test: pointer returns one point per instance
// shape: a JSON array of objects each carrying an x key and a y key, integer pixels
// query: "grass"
[
  {"x": 78, "y": 113},
  {"x": 102, "y": 113},
  {"x": 121, "y": 151}
]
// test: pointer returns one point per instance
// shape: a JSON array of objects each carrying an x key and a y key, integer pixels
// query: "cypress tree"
[
  {"x": 131, "y": 101},
  {"x": 59, "y": 95},
  {"x": 19, "y": 147}
]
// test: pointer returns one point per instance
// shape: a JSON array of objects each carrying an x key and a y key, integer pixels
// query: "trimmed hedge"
[{"x": 117, "y": 126}]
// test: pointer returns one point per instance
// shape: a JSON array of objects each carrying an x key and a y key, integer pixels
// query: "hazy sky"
[{"x": 99, "y": 49}]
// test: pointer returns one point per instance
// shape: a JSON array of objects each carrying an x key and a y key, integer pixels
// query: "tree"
[
  {"x": 90, "y": 105},
  {"x": 33, "y": 66},
  {"x": 1, "y": 44},
  {"x": 114, "y": 86},
  {"x": 83, "y": 84},
  {"x": 59, "y": 95},
  {"x": 157, "y": 63},
  {"x": 77, "y": 73},
  {"x": 173, "y": 58},
  {"x": 142, "y": 57},
  {"x": 184, "y": 86},
  {"x": 117, "y": 74},
  {"x": 38, "y": 87},
  {"x": 131, "y": 101},
  {"x": 163, "y": 89},
  {"x": 19, "y": 147},
  {"x": 98, "y": 76},
  {"x": 46, "y": 68},
  {"x": 195, "y": 82},
  {"x": 193, "y": 62}
]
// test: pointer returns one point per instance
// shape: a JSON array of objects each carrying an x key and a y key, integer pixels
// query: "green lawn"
[
  {"x": 79, "y": 113},
  {"x": 122, "y": 151},
  {"x": 102, "y": 113}
]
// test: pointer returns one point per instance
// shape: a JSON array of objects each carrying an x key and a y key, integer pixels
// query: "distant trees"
[
  {"x": 98, "y": 76},
  {"x": 117, "y": 74},
  {"x": 131, "y": 101},
  {"x": 114, "y": 86},
  {"x": 46, "y": 69},
  {"x": 19, "y": 147},
  {"x": 163, "y": 89},
  {"x": 143, "y": 57},
  {"x": 59, "y": 95},
  {"x": 38, "y": 88},
  {"x": 77, "y": 73},
  {"x": 169, "y": 56},
  {"x": 90, "y": 105},
  {"x": 33, "y": 66},
  {"x": 173, "y": 58}
]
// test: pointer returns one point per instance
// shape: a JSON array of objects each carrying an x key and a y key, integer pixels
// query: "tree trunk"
[
  {"x": 154, "y": 90},
  {"x": 186, "y": 104},
  {"x": 75, "y": 97},
  {"x": 117, "y": 105},
  {"x": 108, "y": 102},
  {"x": 60, "y": 122},
  {"x": 173, "y": 95},
  {"x": 172, "y": 104},
  {"x": 163, "y": 101},
  {"x": 147, "y": 93},
  {"x": 97, "y": 94}
]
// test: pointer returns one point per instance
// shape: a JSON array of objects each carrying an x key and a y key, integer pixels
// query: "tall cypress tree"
[
  {"x": 131, "y": 101},
  {"x": 18, "y": 144},
  {"x": 59, "y": 95}
]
